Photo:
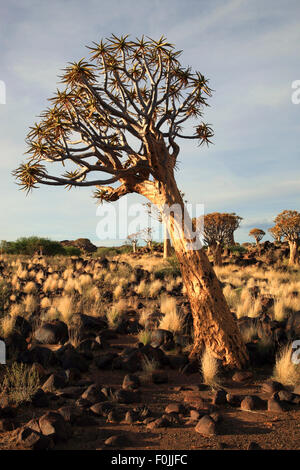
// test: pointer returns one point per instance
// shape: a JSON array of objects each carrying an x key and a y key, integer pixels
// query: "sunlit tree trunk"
[
  {"x": 294, "y": 253},
  {"x": 214, "y": 325}
]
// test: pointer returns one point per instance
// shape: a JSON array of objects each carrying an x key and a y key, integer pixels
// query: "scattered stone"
[
  {"x": 52, "y": 424},
  {"x": 31, "y": 439},
  {"x": 6, "y": 425},
  {"x": 253, "y": 446},
  {"x": 251, "y": 402},
  {"x": 233, "y": 400},
  {"x": 54, "y": 382},
  {"x": 129, "y": 417},
  {"x": 206, "y": 426},
  {"x": 274, "y": 405},
  {"x": 162, "y": 422},
  {"x": 131, "y": 382},
  {"x": 40, "y": 399},
  {"x": 174, "y": 408},
  {"x": 52, "y": 333},
  {"x": 242, "y": 376},
  {"x": 93, "y": 394},
  {"x": 127, "y": 396},
  {"x": 115, "y": 441},
  {"x": 219, "y": 397},
  {"x": 271, "y": 386},
  {"x": 101, "y": 409}
]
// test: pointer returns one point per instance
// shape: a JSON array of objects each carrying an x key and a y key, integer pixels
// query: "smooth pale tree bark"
[
  {"x": 214, "y": 325},
  {"x": 134, "y": 247},
  {"x": 167, "y": 243},
  {"x": 294, "y": 253}
]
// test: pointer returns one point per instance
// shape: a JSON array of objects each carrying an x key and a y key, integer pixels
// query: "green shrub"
[
  {"x": 32, "y": 245},
  {"x": 72, "y": 251}
]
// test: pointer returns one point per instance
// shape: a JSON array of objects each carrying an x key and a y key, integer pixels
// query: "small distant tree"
[
  {"x": 218, "y": 229},
  {"x": 287, "y": 226},
  {"x": 133, "y": 238},
  {"x": 258, "y": 234},
  {"x": 146, "y": 235}
]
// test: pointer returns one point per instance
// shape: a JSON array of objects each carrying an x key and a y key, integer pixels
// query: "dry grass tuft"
[{"x": 210, "y": 369}]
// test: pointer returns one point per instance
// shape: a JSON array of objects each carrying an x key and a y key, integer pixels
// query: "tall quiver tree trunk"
[
  {"x": 214, "y": 325},
  {"x": 217, "y": 254},
  {"x": 294, "y": 252},
  {"x": 167, "y": 243}
]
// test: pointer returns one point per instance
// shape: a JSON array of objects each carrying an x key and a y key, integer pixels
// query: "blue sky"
[{"x": 248, "y": 50}]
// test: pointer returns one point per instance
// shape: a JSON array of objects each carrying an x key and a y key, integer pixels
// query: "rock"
[
  {"x": 69, "y": 413},
  {"x": 253, "y": 446},
  {"x": 115, "y": 441},
  {"x": 216, "y": 417},
  {"x": 129, "y": 417},
  {"x": 54, "y": 382},
  {"x": 206, "y": 426},
  {"x": 52, "y": 333},
  {"x": 242, "y": 376},
  {"x": 93, "y": 394},
  {"x": 33, "y": 440},
  {"x": 162, "y": 422},
  {"x": 274, "y": 405},
  {"x": 40, "y": 355},
  {"x": 112, "y": 417},
  {"x": 52, "y": 424},
  {"x": 174, "y": 408},
  {"x": 195, "y": 415},
  {"x": 71, "y": 359},
  {"x": 22, "y": 326},
  {"x": 131, "y": 382},
  {"x": 219, "y": 397},
  {"x": 88, "y": 347},
  {"x": 70, "y": 392},
  {"x": 293, "y": 326},
  {"x": 127, "y": 396},
  {"x": 284, "y": 395},
  {"x": 233, "y": 399},
  {"x": 251, "y": 402},
  {"x": 271, "y": 386},
  {"x": 105, "y": 360},
  {"x": 161, "y": 337},
  {"x": 40, "y": 399},
  {"x": 101, "y": 409},
  {"x": 160, "y": 377}
]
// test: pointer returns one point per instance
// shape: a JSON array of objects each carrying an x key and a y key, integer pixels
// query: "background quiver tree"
[
  {"x": 116, "y": 127},
  {"x": 287, "y": 226},
  {"x": 258, "y": 234},
  {"x": 133, "y": 239},
  {"x": 218, "y": 229}
]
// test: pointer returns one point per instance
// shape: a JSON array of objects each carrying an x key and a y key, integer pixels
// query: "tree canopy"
[
  {"x": 287, "y": 225},
  {"x": 218, "y": 227},
  {"x": 257, "y": 233},
  {"x": 129, "y": 96}
]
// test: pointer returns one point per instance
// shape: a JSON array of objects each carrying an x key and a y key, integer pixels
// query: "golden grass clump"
[
  {"x": 210, "y": 369},
  {"x": 7, "y": 326},
  {"x": 172, "y": 320},
  {"x": 285, "y": 370},
  {"x": 66, "y": 307},
  {"x": 20, "y": 382},
  {"x": 30, "y": 287}
]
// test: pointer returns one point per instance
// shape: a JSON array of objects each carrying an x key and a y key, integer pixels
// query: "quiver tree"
[
  {"x": 133, "y": 238},
  {"x": 121, "y": 115},
  {"x": 258, "y": 234},
  {"x": 287, "y": 226},
  {"x": 218, "y": 231},
  {"x": 146, "y": 235}
]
